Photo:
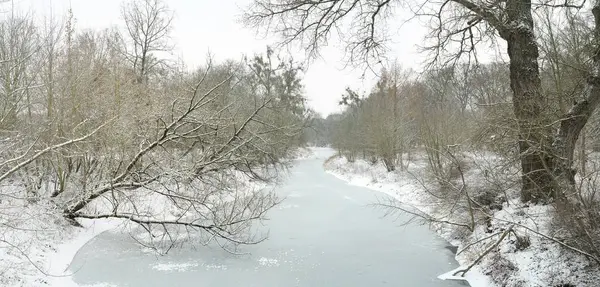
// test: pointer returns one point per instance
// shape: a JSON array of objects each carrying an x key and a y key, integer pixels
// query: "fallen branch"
[
  {"x": 492, "y": 247},
  {"x": 424, "y": 215},
  {"x": 476, "y": 242}
]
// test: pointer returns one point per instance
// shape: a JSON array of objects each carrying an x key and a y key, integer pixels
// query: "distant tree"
[
  {"x": 279, "y": 77},
  {"x": 19, "y": 42},
  {"x": 148, "y": 24}
]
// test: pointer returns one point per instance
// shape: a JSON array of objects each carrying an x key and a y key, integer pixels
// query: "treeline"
[
  {"x": 469, "y": 105},
  {"x": 406, "y": 111},
  {"x": 103, "y": 123}
]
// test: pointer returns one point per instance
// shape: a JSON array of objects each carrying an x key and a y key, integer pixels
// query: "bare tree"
[
  {"x": 19, "y": 44},
  {"x": 148, "y": 24},
  {"x": 53, "y": 33}
]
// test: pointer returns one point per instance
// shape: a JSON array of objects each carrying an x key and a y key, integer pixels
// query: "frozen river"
[{"x": 323, "y": 234}]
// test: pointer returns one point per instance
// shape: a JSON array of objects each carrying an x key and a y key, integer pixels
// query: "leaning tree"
[{"x": 546, "y": 142}]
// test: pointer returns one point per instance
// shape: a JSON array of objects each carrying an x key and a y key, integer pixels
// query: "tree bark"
[
  {"x": 529, "y": 104},
  {"x": 570, "y": 128},
  {"x": 546, "y": 158},
  {"x": 572, "y": 123}
]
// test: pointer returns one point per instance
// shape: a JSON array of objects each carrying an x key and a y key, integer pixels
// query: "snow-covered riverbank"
[
  {"x": 321, "y": 235},
  {"x": 37, "y": 244},
  {"x": 50, "y": 242},
  {"x": 399, "y": 186},
  {"x": 543, "y": 263},
  {"x": 59, "y": 262}
]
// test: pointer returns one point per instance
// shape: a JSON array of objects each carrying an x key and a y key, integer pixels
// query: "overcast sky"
[{"x": 201, "y": 26}]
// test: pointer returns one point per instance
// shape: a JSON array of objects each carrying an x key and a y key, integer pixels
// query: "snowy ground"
[
  {"x": 543, "y": 263},
  {"x": 37, "y": 244},
  {"x": 60, "y": 260}
]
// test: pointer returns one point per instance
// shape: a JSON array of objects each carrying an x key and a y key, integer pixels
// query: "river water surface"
[{"x": 325, "y": 233}]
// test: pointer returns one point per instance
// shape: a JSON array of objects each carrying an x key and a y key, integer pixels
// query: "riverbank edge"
[
  {"x": 60, "y": 260},
  {"x": 474, "y": 277},
  {"x": 74, "y": 238}
]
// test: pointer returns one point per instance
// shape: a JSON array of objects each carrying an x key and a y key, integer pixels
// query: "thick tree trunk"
[
  {"x": 570, "y": 128},
  {"x": 575, "y": 120},
  {"x": 535, "y": 133},
  {"x": 546, "y": 158}
]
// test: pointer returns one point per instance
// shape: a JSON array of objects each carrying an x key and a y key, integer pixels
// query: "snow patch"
[
  {"x": 179, "y": 267},
  {"x": 60, "y": 261},
  {"x": 216, "y": 266},
  {"x": 268, "y": 262},
  {"x": 287, "y": 206},
  {"x": 475, "y": 279}
]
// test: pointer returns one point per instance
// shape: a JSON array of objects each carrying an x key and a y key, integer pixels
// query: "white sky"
[{"x": 201, "y": 26}]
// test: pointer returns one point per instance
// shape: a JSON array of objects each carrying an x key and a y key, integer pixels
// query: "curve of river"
[{"x": 323, "y": 234}]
